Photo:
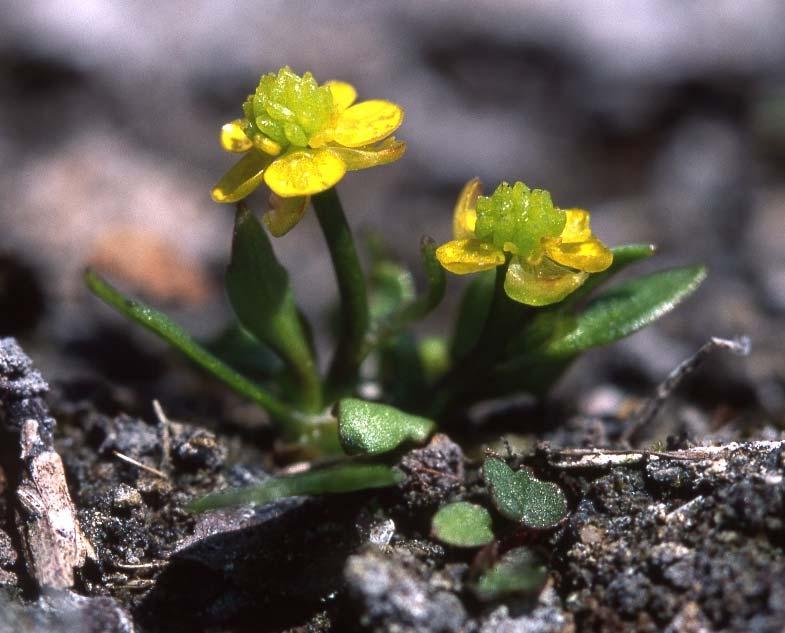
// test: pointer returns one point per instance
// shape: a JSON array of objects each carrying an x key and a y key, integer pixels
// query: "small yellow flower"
[
  {"x": 552, "y": 251},
  {"x": 301, "y": 138}
]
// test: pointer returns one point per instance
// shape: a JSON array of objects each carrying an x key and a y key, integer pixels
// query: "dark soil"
[{"x": 686, "y": 540}]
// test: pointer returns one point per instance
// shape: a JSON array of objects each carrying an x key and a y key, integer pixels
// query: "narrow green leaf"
[
  {"x": 259, "y": 291},
  {"x": 173, "y": 334},
  {"x": 436, "y": 281},
  {"x": 462, "y": 524},
  {"x": 626, "y": 309},
  {"x": 541, "y": 327},
  {"x": 520, "y": 497},
  {"x": 519, "y": 571},
  {"x": 623, "y": 256},
  {"x": 331, "y": 480},
  {"x": 237, "y": 347},
  {"x": 370, "y": 428}
]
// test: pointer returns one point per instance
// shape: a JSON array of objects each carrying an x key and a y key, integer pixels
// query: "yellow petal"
[
  {"x": 469, "y": 256},
  {"x": 465, "y": 215},
  {"x": 265, "y": 144},
  {"x": 304, "y": 173},
  {"x": 284, "y": 214},
  {"x": 367, "y": 122},
  {"x": 245, "y": 176},
  {"x": 387, "y": 151},
  {"x": 576, "y": 226},
  {"x": 591, "y": 256},
  {"x": 343, "y": 94},
  {"x": 540, "y": 285},
  {"x": 234, "y": 138}
]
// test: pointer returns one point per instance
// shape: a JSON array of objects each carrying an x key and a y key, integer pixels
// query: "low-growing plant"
[{"x": 536, "y": 302}]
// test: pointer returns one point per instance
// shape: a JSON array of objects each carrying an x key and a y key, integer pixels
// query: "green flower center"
[
  {"x": 515, "y": 218},
  {"x": 288, "y": 108}
]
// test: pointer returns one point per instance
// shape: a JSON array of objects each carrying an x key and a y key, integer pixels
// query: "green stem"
[
  {"x": 503, "y": 315},
  {"x": 348, "y": 356},
  {"x": 293, "y": 422}
]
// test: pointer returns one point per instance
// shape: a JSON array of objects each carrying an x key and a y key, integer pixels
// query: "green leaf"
[
  {"x": 539, "y": 329},
  {"x": 462, "y": 524},
  {"x": 173, "y": 334},
  {"x": 391, "y": 286},
  {"x": 472, "y": 313},
  {"x": 369, "y": 428},
  {"x": 259, "y": 291},
  {"x": 436, "y": 280},
  {"x": 394, "y": 303},
  {"x": 331, "y": 480},
  {"x": 236, "y": 346},
  {"x": 520, "y": 497},
  {"x": 623, "y": 256},
  {"x": 626, "y": 309},
  {"x": 519, "y": 571}
]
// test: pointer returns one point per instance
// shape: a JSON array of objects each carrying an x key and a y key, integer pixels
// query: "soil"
[{"x": 687, "y": 538}]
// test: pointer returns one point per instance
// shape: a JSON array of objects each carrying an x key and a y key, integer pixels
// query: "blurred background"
[{"x": 665, "y": 118}]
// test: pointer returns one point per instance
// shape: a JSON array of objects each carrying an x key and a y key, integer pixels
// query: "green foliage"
[
  {"x": 259, "y": 291},
  {"x": 625, "y": 309},
  {"x": 370, "y": 428},
  {"x": 462, "y": 524},
  {"x": 347, "y": 477},
  {"x": 519, "y": 571},
  {"x": 520, "y": 497}
]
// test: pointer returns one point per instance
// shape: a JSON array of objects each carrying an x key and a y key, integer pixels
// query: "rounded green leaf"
[
  {"x": 521, "y": 497},
  {"x": 370, "y": 428},
  {"x": 462, "y": 524},
  {"x": 519, "y": 571}
]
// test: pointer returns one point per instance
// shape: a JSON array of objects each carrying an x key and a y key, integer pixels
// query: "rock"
[{"x": 393, "y": 594}]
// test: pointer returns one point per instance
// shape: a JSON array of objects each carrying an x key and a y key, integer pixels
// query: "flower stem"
[
  {"x": 500, "y": 323},
  {"x": 348, "y": 355}
]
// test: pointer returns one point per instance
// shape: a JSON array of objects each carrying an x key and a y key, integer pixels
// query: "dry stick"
[
  {"x": 650, "y": 409},
  {"x": 139, "y": 464},
  {"x": 46, "y": 520},
  {"x": 573, "y": 458},
  {"x": 163, "y": 425}
]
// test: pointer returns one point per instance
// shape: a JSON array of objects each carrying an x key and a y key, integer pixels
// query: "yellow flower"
[
  {"x": 301, "y": 139},
  {"x": 551, "y": 251}
]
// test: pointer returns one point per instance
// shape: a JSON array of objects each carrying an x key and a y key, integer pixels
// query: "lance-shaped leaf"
[
  {"x": 625, "y": 309},
  {"x": 520, "y": 497},
  {"x": 462, "y": 524},
  {"x": 370, "y": 428},
  {"x": 259, "y": 291},
  {"x": 519, "y": 571},
  {"x": 173, "y": 334},
  {"x": 547, "y": 321},
  {"x": 331, "y": 480}
]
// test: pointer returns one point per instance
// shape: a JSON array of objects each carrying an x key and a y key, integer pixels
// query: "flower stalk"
[{"x": 349, "y": 352}]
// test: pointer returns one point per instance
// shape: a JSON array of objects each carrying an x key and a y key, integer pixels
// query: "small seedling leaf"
[
  {"x": 370, "y": 428},
  {"x": 462, "y": 524},
  {"x": 330, "y": 480},
  {"x": 519, "y": 571},
  {"x": 519, "y": 496}
]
